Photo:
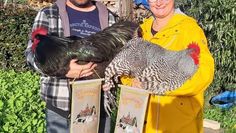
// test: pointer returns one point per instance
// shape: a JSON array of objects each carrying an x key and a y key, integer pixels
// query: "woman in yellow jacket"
[{"x": 181, "y": 110}]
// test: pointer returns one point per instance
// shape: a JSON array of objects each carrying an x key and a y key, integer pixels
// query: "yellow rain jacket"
[{"x": 181, "y": 110}]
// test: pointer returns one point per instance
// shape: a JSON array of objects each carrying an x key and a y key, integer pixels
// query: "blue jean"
[{"x": 58, "y": 124}]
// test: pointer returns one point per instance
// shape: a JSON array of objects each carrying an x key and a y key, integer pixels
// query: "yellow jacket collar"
[{"x": 177, "y": 18}]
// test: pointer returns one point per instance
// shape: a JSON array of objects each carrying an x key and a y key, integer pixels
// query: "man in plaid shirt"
[{"x": 68, "y": 17}]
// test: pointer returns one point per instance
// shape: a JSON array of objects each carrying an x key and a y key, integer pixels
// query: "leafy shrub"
[
  {"x": 225, "y": 117},
  {"x": 21, "y": 110},
  {"x": 15, "y": 25}
]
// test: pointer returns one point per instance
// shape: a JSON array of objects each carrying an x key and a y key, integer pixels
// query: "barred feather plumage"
[{"x": 158, "y": 69}]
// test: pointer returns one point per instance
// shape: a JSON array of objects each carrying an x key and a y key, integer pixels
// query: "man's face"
[
  {"x": 81, "y": 3},
  {"x": 161, "y": 8}
]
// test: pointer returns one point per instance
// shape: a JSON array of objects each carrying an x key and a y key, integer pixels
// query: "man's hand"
[{"x": 79, "y": 71}]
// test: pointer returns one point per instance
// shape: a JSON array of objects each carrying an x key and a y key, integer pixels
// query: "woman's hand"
[
  {"x": 136, "y": 83},
  {"x": 79, "y": 71},
  {"x": 106, "y": 87}
]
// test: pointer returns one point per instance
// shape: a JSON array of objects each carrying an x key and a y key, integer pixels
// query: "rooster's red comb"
[
  {"x": 195, "y": 52},
  {"x": 41, "y": 31}
]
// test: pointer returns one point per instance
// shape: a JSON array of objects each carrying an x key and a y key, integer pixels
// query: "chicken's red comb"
[
  {"x": 195, "y": 52},
  {"x": 41, "y": 31}
]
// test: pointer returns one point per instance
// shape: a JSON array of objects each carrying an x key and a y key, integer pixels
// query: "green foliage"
[
  {"x": 21, "y": 109},
  {"x": 227, "y": 118},
  {"x": 15, "y": 25},
  {"x": 115, "y": 110}
]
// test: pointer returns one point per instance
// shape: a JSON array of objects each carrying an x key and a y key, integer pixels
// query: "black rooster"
[{"x": 52, "y": 54}]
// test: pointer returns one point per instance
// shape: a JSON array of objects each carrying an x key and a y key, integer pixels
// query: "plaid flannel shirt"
[{"x": 55, "y": 91}]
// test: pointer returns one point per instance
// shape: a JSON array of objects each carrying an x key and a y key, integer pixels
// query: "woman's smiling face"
[{"x": 161, "y": 8}]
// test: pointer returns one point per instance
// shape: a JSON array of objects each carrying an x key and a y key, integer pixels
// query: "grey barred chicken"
[{"x": 159, "y": 70}]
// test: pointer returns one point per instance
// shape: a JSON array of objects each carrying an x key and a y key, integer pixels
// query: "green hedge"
[
  {"x": 15, "y": 25},
  {"x": 21, "y": 109}
]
